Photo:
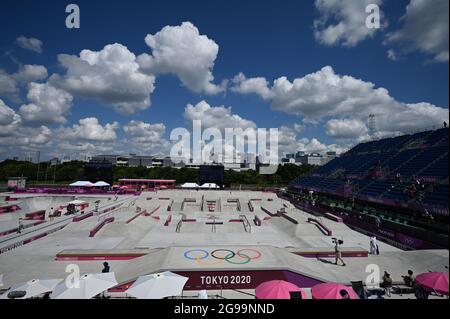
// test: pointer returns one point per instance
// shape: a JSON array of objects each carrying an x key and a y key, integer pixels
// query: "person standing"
[
  {"x": 20, "y": 227},
  {"x": 338, "y": 253},
  {"x": 106, "y": 267},
  {"x": 387, "y": 283}
]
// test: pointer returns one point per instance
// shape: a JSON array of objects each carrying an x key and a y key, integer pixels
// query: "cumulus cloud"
[
  {"x": 90, "y": 129},
  {"x": 425, "y": 28},
  {"x": 146, "y": 137},
  {"x": 31, "y": 44},
  {"x": 343, "y": 22},
  {"x": 346, "y": 128},
  {"x": 290, "y": 141},
  {"x": 219, "y": 117},
  {"x": 30, "y": 73},
  {"x": 47, "y": 104},
  {"x": 7, "y": 114},
  {"x": 9, "y": 83},
  {"x": 111, "y": 76},
  {"x": 182, "y": 51},
  {"x": 259, "y": 86},
  {"x": 325, "y": 95}
]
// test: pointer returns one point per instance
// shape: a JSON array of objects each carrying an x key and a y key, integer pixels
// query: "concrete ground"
[{"x": 166, "y": 242}]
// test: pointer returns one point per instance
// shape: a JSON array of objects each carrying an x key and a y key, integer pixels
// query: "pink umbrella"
[
  {"x": 331, "y": 291},
  {"x": 277, "y": 289},
  {"x": 437, "y": 281}
]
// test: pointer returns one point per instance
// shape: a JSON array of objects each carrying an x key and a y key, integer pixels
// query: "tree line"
[{"x": 72, "y": 171}]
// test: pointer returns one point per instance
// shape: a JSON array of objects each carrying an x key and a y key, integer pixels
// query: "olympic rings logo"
[{"x": 217, "y": 256}]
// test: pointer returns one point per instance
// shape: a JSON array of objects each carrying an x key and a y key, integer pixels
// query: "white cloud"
[
  {"x": 111, "y": 76},
  {"x": 147, "y": 138},
  {"x": 425, "y": 28},
  {"x": 182, "y": 51},
  {"x": 289, "y": 141},
  {"x": 343, "y": 22},
  {"x": 325, "y": 95},
  {"x": 47, "y": 104},
  {"x": 219, "y": 117},
  {"x": 90, "y": 129},
  {"x": 8, "y": 85},
  {"x": 259, "y": 86},
  {"x": 30, "y": 73},
  {"x": 31, "y": 44},
  {"x": 346, "y": 128},
  {"x": 392, "y": 55},
  {"x": 7, "y": 114}
]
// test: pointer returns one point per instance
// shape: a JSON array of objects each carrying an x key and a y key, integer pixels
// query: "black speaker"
[{"x": 296, "y": 295}]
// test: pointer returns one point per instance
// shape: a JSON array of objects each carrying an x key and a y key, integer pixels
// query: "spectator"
[
  {"x": 387, "y": 283},
  {"x": 409, "y": 279},
  {"x": 20, "y": 227},
  {"x": 344, "y": 294},
  {"x": 445, "y": 124},
  {"x": 378, "y": 221},
  {"x": 105, "y": 267},
  {"x": 373, "y": 246}
]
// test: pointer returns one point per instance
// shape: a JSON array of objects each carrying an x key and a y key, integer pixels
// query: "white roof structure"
[
  {"x": 190, "y": 185},
  {"x": 101, "y": 184},
  {"x": 158, "y": 286},
  {"x": 209, "y": 186},
  {"x": 82, "y": 184}
]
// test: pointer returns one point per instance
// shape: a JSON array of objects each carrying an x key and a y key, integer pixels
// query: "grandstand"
[{"x": 402, "y": 182}]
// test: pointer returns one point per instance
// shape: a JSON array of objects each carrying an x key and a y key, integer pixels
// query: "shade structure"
[
  {"x": 331, "y": 291},
  {"x": 1, "y": 280},
  {"x": 34, "y": 287},
  {"x": 436, "y": 281},
  {"x": 202, "y": 294},
  {"x": 82, "y": 184},
  {"x": 158, "y": 286},
  {"x": 89, "y": 286},
  {"x": 277, "y": 289},
  {"x": 190, "y": 185},
  {"x": 209, "y": 186},
  {"x": 101, "y": 184}
]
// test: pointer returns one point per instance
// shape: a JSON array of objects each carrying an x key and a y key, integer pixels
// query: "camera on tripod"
[{"x": 335, "y": 240}]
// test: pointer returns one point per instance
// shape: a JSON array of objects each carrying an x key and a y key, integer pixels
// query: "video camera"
[{"x": 335, "y": 240}]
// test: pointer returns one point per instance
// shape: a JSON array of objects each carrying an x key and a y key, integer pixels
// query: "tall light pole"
[{"x": 39, "y": 165}]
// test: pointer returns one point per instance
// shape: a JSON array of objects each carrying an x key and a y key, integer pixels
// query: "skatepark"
[{"x": 221, "y": 240}]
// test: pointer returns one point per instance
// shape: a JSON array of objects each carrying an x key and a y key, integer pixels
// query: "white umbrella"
[
  {"x": 1, "y": 280},
  {"x": 158, "y": 286},
  {"x": 34, "y": 287},
  {"x": 89, "y": 286},
  {"x": 101, "y": 184}
]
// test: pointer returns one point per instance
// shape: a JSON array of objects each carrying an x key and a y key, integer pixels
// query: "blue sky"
[{"x": 261, "y": 39}]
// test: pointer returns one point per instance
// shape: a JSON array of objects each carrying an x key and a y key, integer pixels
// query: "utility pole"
[{"x": 39, "y": 165}]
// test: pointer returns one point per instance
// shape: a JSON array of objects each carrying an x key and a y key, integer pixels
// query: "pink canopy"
[
  {"x": 331, "y": 291},
  {"x": 437, "y": 281},
  {"x": 277, "y": 289}
]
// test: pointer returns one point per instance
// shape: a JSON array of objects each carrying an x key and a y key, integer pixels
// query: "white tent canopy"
[
  {"x": 82, "y": 184},
  {"x": 101, "y": 184},
  {"x": 190, "y": 185},
  {"x": 34, "y": 287},
  {"x": 158, "y": 286},
  {"x": 210, "y": 186},
  {"x": 88, "y": 286}
]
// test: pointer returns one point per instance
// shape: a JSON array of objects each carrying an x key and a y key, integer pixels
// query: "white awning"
[
  {"x": 101, "y": 184},
  {"x": 82, "y": 184},
  {"x": 190, "y": 185},
  {"x": 210, "y": 185}
]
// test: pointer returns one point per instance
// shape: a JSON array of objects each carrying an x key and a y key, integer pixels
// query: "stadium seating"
[{"x": 419, "y": 156}]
